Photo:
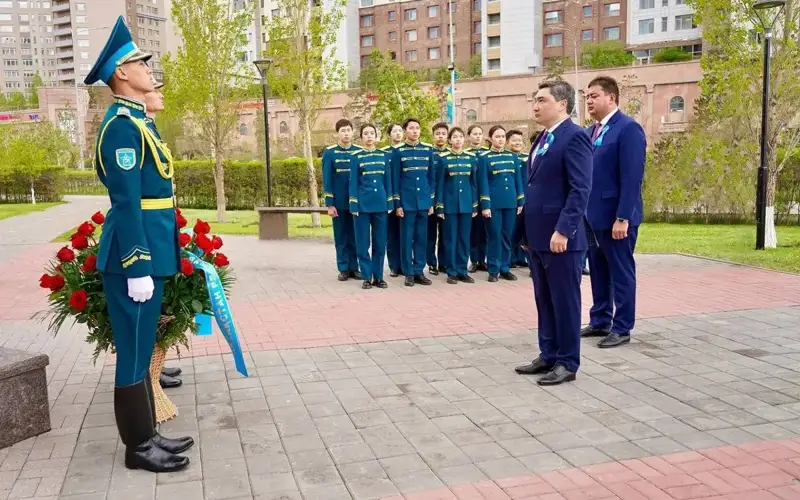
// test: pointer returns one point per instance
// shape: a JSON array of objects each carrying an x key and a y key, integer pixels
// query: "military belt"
[{"x": 157, "y": 203}]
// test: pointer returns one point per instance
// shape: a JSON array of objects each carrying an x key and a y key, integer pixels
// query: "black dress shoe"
[
  {"x": 171, "y": 372},
  {"x": 492, "y": 278},
  {"x": 355, "y": 275},
  {"x": 537, "y": 366},
  {"x": 433, "y": 270},
  {"x": 591, "y": 331},
  {"x": 409, "y": 281},
  {"x": 168, "y": 382},
  {"x": 483, "y": 267},
  {"x": 343, "y": 276},
  {"x": 466, "y": 279},
  {"x": 451, "y": 280},
  {"x": 422, "y": 280},
  {"x": 513, "y": 265},
  {"x": 558, "y": 375},
  {"x": 178, "y": 445},
  {"x": 394, "y": 273},
  {"x": 380, "y": 283},
  {"x": 509, "y": 276},
  {"x": 150, "y": 457},
  {"x": 613, "y": 340},
  {"x": 366, "y": 285},
  {"x": 473, "y": 268},
  {"x": 442, "y": 269}
]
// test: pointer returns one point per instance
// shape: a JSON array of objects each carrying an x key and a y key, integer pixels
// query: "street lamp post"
[
  {"x": 762, "y": 8},
  {"x": 263, "y": 69}
]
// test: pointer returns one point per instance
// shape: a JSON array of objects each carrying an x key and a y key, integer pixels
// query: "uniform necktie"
[
  {"x": 542, "y": 140},
  {"x": 597, "y": 127}
]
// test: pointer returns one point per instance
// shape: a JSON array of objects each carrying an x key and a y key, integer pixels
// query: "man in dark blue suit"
[
  {"x": 614, "y": 213},
  {"x": 556, "y": 195}
]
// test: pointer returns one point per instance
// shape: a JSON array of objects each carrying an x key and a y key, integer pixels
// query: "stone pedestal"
[{"x": 24, "y": 409}]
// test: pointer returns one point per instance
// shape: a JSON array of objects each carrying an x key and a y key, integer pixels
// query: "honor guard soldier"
[
  {"x": 371, "y": 200},
  {"x": 395, "y": 133},
  {"x": 500, "y": 169},
  {"x": 457, "y": 203},
  {"x": 412, "y": 167},
  {"x": 516, "y": 144},
  {"x": 435, "y": 249},
  {"x": 138, "y": 249},
  {"x": 479, "y": 236},
  {"x": 336, "y": 185}
]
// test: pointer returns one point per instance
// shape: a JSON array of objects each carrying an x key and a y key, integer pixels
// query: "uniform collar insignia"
[{"x": 130, "y": 103}]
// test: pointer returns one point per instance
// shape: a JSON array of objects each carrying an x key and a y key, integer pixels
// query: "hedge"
[
  {"x": 15, "y": 184},
  {"x": 245, "y": 183}
]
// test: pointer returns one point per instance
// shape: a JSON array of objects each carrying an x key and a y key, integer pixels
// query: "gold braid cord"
[{"x": 157, "y": 146}]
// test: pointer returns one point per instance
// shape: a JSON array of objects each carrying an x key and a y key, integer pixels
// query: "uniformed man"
[
  {"x": 371, "y": 200},
  {"x": 479, "y": 235},
  {"x": 138, "y": 249},
  {"x": 336, "y": 184},
  {"x": 500, "y": 169},
  {"x": 395, "y": 133},
  {"x": 412, "y": 167},
  {"x": 516, "y": 144},
  {"x": 435, "y": 251}
]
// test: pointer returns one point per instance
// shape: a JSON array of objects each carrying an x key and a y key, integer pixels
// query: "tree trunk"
[
  {"x": 313, "y": 196},
  {"x": 770, "y": 235},
  {"x": 219, "y": 182}
]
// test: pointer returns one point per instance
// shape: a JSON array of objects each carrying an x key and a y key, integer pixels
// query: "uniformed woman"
[
  {"x": 499, "y": 170},
  {"x": 396, "y": 135},
  {"x": 457, "y": 203},
  {"x": 516, "y": 144},
  {"x": 371, "y": 201},
  {"x": 479, "y": 236}
]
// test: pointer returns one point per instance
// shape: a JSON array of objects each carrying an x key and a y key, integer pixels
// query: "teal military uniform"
[
  {"x": 519, "y": 257},
  {"x": 479, "y": 236},
  {"x": 139, "y": 239},
  {"x": 336, "y": 184},
  {"x": 500, "y": 171},
  {"x": 413, "y": 183},
  {"x": 435, "y": 252},
  {"x": 393, "y": 229},
  {"x": 457, "y": 200},
  {"x": 371, "y": 197}
]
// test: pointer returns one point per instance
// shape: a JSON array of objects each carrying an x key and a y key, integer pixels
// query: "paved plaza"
[{"x": 410, "y": 393}]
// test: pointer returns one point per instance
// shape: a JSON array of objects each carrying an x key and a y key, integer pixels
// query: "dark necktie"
[{"x": 597, "y": 127}]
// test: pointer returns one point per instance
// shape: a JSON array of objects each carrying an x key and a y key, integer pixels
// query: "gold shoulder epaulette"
[
  {"x": 426, "y": 144},
  {"x": 331, "y": 146},
  {"x": 444, "y": 153},
  {"x": 469, "y": 153}
]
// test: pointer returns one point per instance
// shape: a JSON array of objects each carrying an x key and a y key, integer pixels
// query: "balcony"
[
  {"x": 64, "y": 43},
  {"x": 63, "y": 32},
  {"x": 67, "y": 54},
  {"x": 66, "y": 66},
  {"x": 62, "y": 20},
  {"x": 60, "y": 7},
  {"x": 66, "y": 77}
]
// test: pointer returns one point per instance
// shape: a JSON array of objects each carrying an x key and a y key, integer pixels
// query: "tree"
[
  {"x": 358, "y": 108},
  {"x": 36, "y": 84},
  {"x": 671, "y": 54},
  {"x": 399, "y": 96},
  {"x": 732, "y": 87},
  {"x": 608, "y": 54},
  {"x": 207, "y": 81},
  {"x": 555, "y": 68},
  {"x": 17, "y": 101},
  {"x": 304, "y": 70}
]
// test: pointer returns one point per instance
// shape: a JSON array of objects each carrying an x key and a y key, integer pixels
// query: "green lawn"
[{"x": 14, "y": 209}]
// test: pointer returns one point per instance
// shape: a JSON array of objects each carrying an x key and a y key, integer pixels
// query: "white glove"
[{"x": 140, "y": 289}]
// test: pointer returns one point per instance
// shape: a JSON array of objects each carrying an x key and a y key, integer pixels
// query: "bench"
[
  {"x": 273, "y": 222},
  {"x": 24, "y": 409}
]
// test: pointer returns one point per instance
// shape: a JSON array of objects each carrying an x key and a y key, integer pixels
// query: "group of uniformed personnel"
[{"x": 442, "y": 204}]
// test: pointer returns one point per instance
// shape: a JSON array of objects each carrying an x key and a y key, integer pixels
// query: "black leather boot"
[
  {"x": 134, "y": 416},
  {"x": 171, "y": 445}
]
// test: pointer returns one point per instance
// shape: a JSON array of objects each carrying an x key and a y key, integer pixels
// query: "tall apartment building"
[
  {"x": 511, "y": 38},
  {"x": 416, "y": 32},
  {"x": 655, "y": 24},
  {"x": 569, "y": 24}
]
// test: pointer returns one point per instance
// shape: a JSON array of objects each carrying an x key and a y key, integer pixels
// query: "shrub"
[
  {"x": 608, "y": 54},
  {"x": 16, "y": 182},
  {"x": 671, "y": 54}
]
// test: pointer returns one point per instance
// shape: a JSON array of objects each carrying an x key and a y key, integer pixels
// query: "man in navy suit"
[
  {"x": 614, "y": 213},
  {"x": 556, "y": 195}
]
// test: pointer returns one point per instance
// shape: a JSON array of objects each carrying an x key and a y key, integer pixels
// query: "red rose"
[
  {"x": 86, "y": 229},
  {"x": 78, "y": 300},
  {"x": 177, "y": 211},
  {"x": 220, "y": 260},
  {"x": 205, "y": 244},
  {"x": 186, "y": 267},
  {"x": 181, "y": 221},
  {"x": 56, "y": 282},
  {"x": 184, "y": 239},
  {"x": 65, "y": 255},
  {"x": 90, "y": 264},
  {"x": 98, "y": 217},
  {"x": 217, "y": 242},
  {"x": 201, "y": 227},
  {"x": 79, "y": 241},
  {"x": 45, "y": 281}
]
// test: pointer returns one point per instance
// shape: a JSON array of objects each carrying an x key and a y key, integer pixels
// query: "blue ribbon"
[
  {"x": 599, "y": 141},
  {"x": 220, "y": 308}
]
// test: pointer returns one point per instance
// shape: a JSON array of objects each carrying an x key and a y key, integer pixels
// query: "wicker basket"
[{"x": 165, "y": 409}]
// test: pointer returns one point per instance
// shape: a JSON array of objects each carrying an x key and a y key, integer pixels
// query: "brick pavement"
[{"x": 705, "y": 403}]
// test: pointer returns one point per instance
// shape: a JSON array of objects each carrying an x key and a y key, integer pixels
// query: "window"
[
  {"x": 493, "y": 42},
  {"x": 587, "y": 11},
  {"x": 84, "y": 55},
  {"x": 494, "y": 64},
  {"x": 434, "y": 32},
  {"x": 676, "y": 104},
  {"x": 6, "y": 17},
  {"x": 611, "y": 9},
  {"x": 86, "y": 67},
  {"x": 434, "y": 53},
  {"x": 665, "y": 3},
  {"x": 23, "y": 18},
  {"x": 553, "y": 40},
  {"x": 411, "y": 35},
  {"x": 80, "y": 6},
  {"x": 84, "y": 43},
  {"x": 5, "y": 4},
  {"x": 367, "y": 41},
  {"x": 472, "y": 115},
  {"x": 680, "y": 2},
  {"x": 452, "y": 6},
  {"x": 433, "y": 11},
  {"x": 586, "y": 35},
  {"x": 276, "y": 13},
  {"x": 243, "y": 129},
  {"x": 553, "y": 17},
  {"x": 647, "y": 26},
  {"x": 23, "y": 5},
  {"x": 454, "y": 51},
  {"x": 647, "y": 4},
  {"x": 283, "y": 128},
  {"x": 366, "y": 3},
  {"x": 685, "y": 22},
  {"x": 476, "y": 5},
  {"x": 476, "y": 48},
  {"x": 411, "y": 15},
  {"x": 392, "y": 36},
  {"x": 611, "y": 33},
  {"x": 476, "y": 27},
  {"x": 664, "y": 24},
  {"x": 392, "y": 15},
  {"x": 45, "y": 5},
  {"x": 493, "y": 19},
  {"x": 6, "y": 29},
  {"x": 411, "y": 56},
  {"x": 393, "y": 55},
  {"x": 367, "y": 21}
]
